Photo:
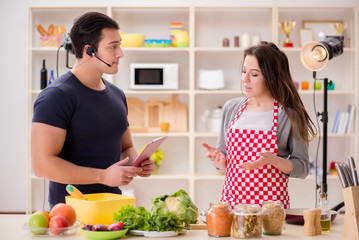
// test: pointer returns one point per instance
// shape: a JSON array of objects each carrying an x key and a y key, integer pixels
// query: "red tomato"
[{"x": 121, "y": 225}]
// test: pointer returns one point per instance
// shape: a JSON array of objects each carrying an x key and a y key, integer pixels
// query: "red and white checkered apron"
[{"x": 257, "y": 185}]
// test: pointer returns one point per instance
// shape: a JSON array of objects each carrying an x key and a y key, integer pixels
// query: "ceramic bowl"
[{"x": 132, "y": 39}]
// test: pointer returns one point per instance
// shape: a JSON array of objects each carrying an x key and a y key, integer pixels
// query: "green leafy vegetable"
[
  {"x": 133, "y": 218},
  {"x": 178, "y": 203},
  {"x": 140, "y": 219},
  {"x": 168, "y": 213}
]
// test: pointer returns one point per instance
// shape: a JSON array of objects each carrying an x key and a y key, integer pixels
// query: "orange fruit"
[
  {"x": 62, "y": 209},
  {"x": 45, "y": 213}
]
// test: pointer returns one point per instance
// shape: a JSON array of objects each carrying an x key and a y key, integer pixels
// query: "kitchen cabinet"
[{"x": 185, "y": 165}]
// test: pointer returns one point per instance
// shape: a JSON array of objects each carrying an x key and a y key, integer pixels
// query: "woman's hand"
[
  {"x": 217, "y": 157},
  {"x": 262, "y": 160},
  {"x": 282, "y": 164}
]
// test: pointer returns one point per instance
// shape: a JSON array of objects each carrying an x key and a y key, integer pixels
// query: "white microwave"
[{"x": 154, "y": 76}]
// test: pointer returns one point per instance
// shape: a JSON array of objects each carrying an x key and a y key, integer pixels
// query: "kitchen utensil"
[
  {"x": 136, "y": 118},
  {"x": 309, "y": 222},
  {"x": 341, "y": 175},
  {"x": 67, "y": 231},
  {"x": 155, "y": 234},
  {"x": 153, "y": 115},
  {"x": 73, "y": 191},
  {"x": 353, "y": 171},
  {"x": 348, "y": 175},
  {"x": 104, "y": 234},
  {"x": 295, "y": 215},
  {"x": 176, "y": 114},
  {"x": 351, "y": 218}
]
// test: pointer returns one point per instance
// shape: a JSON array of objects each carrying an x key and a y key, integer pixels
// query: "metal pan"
[{"x": 295, "y": 215}]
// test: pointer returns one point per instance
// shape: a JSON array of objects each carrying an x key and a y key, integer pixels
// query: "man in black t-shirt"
[{"x": 80, "y": 132}]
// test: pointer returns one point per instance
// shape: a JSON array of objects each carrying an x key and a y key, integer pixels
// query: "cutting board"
[
  {"x": 199, "y": 225},
  {"x": 153, "y": 115},
  {"x": 146, "y": 117},
  {"x": 176, "y": 114},
  {"x": 136, "y": 109}
]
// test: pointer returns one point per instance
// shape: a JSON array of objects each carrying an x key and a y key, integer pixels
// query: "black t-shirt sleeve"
[{"x": 53, "y": 107}]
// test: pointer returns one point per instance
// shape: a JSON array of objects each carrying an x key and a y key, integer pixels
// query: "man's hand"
[
  {"x": 147, "y": 167},
  {"x": 118, "y": 174}
]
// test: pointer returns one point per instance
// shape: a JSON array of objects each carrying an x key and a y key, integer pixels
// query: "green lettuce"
[
  {"x": 140, "y": 219},
  {"x": 133, "y": 218},
  {"x": 168, "y": 213}
]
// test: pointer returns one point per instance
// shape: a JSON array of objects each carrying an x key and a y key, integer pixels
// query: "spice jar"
[
  {"x": 273, "y": 216},
  {"x": 225, "y": 42},
  {"x": 219, "y": 219},
  {"x": 247, "y": 221},
  {"x": 236, "y": 41}
]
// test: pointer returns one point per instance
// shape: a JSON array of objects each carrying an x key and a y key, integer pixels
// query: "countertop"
[{"x": 10, "y": 228}]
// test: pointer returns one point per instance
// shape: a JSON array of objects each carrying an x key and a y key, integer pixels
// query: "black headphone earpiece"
[{"x": 90, "y": 51}]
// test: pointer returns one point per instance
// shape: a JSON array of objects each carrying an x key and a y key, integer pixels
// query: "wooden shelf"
[{"x": 204, "y": 52}]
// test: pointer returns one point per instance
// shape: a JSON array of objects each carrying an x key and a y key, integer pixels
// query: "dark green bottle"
[{"x": 43, "y": 74}]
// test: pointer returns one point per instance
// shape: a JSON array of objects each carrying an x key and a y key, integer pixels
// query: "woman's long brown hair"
[{"x": 274, "y": 65}]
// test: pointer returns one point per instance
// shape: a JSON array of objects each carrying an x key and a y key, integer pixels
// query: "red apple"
[{"x": 57, "y": 223}]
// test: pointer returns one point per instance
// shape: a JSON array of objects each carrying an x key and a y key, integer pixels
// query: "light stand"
[
  {"x": 315, "y": 56},
  {"x": 324, "y": 119}
]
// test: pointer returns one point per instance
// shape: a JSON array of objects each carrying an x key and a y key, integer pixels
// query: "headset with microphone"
[{"x": 91, "y": 52}]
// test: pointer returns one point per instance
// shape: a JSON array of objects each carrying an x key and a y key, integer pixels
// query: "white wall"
[{"x": 13, "y": 42}]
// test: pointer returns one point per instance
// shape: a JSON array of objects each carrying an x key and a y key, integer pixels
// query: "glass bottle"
[
  {"x": 52, "y": 78},
  {"x": 325, "y": 218},
  {"x": 43, "y": 74},
  {"x": 219, "y": 219}
]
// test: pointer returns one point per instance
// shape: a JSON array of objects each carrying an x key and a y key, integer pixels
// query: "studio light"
[{"x": 315, "y": 57}]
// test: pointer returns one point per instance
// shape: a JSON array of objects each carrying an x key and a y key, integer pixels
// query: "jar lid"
[
  {"x": 272, "y": 204},
  {"x": 247, "y": 209},
  {"x": 220, "y": 204}
]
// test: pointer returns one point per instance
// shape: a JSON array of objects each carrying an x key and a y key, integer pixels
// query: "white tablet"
[{"x": 148, "y": 151}]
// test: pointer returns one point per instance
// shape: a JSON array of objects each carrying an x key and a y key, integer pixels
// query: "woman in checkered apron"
[{"x": 264, "y": 136}]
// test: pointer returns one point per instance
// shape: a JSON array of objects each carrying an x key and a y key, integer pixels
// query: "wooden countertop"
[{"x": 10, "y": 228}]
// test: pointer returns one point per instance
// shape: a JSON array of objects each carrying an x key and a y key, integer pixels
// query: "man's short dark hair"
[{"x": 87, "y": 29}]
